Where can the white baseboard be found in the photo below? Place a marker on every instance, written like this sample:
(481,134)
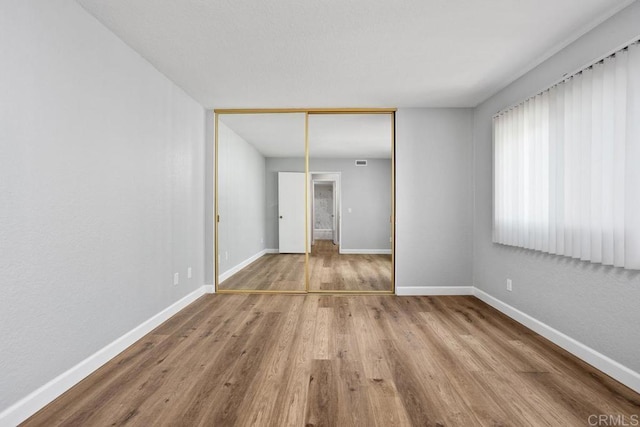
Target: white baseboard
(365,251)
(209,289)
(233,270)
(433,290)
(607,365)
(272,251)
(32,403)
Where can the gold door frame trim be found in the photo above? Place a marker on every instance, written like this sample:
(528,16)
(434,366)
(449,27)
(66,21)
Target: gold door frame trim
(307,112)
(393,202)
(306,202)
(216,212)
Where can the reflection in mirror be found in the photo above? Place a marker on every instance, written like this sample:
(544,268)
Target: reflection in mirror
(350,168)
(261,194)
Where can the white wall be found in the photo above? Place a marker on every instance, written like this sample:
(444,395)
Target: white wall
(241,198)
(366,190)
(101,191)
(433,199)
(593,304)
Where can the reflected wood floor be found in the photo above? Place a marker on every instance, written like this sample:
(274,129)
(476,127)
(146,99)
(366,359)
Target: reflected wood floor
(328,270)
(270,272)
(319,360)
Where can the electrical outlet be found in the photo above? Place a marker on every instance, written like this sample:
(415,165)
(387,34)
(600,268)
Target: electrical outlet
(226,256)
(176,278)
(509,285)
(189,273)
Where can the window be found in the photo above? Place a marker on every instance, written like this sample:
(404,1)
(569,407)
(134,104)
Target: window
(567,166)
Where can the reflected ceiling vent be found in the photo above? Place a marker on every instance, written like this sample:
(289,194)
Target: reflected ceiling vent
(361,163)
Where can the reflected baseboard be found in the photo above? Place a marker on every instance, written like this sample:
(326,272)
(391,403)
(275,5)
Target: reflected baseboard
(233,270)
(365,251)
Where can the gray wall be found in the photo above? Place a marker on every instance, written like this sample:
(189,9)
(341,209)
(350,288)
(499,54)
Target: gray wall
(593,304)
(209,198)
(434,203)
(101,191)
(366,190)
(241,198)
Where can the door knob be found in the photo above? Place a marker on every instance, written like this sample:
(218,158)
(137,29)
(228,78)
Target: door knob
(280,216)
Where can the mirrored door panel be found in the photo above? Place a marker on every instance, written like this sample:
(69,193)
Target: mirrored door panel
(350,183)
(261,202)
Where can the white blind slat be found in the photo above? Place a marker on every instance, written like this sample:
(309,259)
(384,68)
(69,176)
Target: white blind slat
(567,166)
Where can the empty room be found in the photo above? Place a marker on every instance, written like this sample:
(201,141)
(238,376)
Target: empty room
(294,213)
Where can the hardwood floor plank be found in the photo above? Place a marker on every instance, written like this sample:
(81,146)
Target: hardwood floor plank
(355,407)
(322,336)
(328,271)
(124,364)
(422,407)
(189,364)
(171,368)
(487,411)
(454,355)
(216,380)
(289,407)
(519,411)
(322,398)
(102,386)
(259,402)
(238,388)
(276,272)
(294,360)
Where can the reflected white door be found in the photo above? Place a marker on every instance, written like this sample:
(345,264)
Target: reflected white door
(291,205)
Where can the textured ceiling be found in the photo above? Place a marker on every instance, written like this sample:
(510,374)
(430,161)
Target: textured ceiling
(355,53)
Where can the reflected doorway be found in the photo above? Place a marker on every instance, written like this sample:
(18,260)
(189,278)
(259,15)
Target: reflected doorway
(325,208)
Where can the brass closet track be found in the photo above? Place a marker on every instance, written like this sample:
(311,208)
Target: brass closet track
(306,111)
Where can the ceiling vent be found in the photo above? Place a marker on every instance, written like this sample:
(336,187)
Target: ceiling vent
(361,163)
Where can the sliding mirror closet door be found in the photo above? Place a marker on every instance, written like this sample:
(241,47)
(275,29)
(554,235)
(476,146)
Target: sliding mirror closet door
(261,202)
(350,183)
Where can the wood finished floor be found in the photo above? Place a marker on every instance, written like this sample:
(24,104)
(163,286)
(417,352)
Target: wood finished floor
(270,272)
(331,271)
(328,270)
(318,360)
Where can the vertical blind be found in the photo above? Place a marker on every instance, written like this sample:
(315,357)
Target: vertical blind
(567,166)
